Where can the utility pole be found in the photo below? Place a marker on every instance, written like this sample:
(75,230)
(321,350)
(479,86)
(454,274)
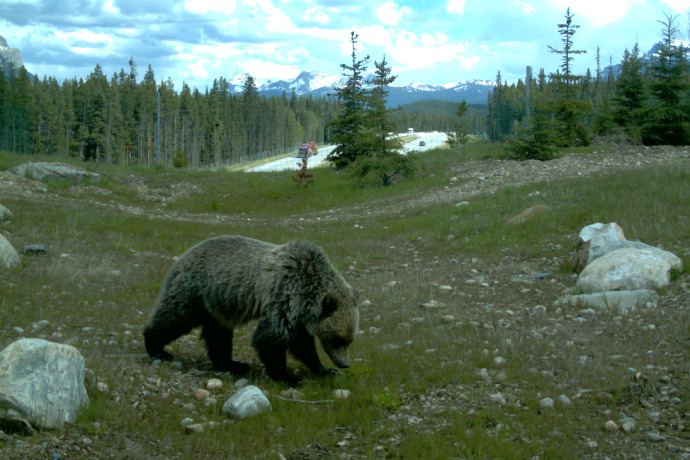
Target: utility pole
(158,127)
(528,83)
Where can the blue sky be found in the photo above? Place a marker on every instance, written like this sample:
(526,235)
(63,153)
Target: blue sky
(434,42)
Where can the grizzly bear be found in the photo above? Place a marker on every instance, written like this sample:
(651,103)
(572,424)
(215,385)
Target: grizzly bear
(292,289)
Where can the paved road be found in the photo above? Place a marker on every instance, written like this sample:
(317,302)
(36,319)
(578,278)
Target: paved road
(431,139)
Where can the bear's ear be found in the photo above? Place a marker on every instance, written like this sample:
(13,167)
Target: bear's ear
(329,304)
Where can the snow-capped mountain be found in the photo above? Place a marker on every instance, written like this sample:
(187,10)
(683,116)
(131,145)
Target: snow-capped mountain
(319,85)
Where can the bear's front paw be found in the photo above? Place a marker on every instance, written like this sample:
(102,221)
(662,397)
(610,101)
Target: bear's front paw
(162,356)
(330,371)
(234,367)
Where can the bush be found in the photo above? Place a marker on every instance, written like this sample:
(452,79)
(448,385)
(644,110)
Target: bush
(179,159)
(385,169)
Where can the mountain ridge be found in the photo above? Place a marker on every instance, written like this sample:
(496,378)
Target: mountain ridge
(318,84)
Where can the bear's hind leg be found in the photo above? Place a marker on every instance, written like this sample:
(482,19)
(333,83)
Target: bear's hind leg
(219,346)
(161,331)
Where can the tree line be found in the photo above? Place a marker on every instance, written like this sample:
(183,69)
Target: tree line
(646,102)
(122,120)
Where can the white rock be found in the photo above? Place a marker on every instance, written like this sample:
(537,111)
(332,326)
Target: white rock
(610,425)
(341,394)
(564,400)
(499,361)
(498,398)
(214,384)
(44,381)
(247,402)
(8,255)
(546,403)
(629,269)
(628,426)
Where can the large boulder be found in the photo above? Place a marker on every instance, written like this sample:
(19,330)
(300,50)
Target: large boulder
(629,269)
(42,382)
(8,255)
(45,172)
(5,214)
(621,300)
(598,239)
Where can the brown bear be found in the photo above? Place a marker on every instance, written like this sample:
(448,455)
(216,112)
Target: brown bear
(292,289)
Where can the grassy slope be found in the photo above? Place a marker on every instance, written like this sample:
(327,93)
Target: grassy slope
(415,384)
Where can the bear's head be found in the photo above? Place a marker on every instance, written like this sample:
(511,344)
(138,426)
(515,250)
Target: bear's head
(339,325)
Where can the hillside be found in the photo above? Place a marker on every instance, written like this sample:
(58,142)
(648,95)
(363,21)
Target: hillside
(461,340)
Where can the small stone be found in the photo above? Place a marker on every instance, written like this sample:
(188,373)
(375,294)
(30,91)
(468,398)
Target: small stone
(102,387)
(341,394)
(546,403)
(655,437)
(628,426)
(17,330)
(292,393)
(214,384)
(610,425)
(447,319)
(208,402)
(499,361)
(538,310)
(241,383)
(498,398)
(564,400)
(186,421)
(200,394)
(194,428)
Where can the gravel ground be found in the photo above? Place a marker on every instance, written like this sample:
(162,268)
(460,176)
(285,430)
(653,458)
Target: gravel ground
(650,419)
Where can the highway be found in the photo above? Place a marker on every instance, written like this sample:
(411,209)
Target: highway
(431,140)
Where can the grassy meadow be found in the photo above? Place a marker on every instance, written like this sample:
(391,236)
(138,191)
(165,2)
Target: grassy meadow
(452,361)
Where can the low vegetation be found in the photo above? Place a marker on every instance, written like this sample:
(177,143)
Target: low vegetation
(454,359)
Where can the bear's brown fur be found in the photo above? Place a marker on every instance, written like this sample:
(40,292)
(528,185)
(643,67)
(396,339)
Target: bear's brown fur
(292,289)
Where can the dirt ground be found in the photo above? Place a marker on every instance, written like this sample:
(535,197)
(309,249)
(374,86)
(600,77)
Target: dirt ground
(656,391)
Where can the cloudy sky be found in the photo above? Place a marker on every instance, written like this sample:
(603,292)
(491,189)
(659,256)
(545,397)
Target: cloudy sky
(430,41)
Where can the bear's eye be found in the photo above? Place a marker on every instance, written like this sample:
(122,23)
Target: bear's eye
(338,342)
(328,305)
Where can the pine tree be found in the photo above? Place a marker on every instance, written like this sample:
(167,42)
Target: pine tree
(630,95)
(569,109)
(378,114)
(348,129)
(668,119)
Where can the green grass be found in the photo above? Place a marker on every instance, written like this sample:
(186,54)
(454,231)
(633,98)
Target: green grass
(415,382)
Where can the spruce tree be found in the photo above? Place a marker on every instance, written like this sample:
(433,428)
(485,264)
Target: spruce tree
(569,108)
(630,95)
(667,121)
(348,128)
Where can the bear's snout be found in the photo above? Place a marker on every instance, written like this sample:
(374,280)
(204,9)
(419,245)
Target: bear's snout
(339,356)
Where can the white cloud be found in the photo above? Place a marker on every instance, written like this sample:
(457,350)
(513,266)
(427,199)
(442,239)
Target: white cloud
(274,18)
(210,6)
(316,14)
(456,6)
(410,51)
(527,8)
(597,12)
(86,42)
(109,7)
(389,14)
(680,6)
